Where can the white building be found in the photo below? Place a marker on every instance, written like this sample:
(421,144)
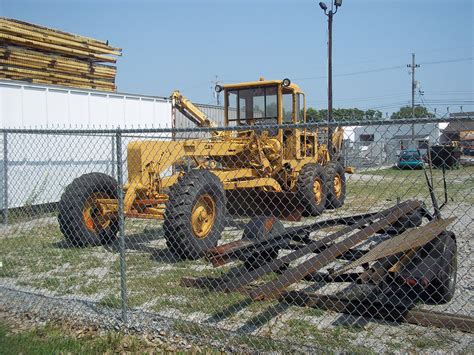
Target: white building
(379,145)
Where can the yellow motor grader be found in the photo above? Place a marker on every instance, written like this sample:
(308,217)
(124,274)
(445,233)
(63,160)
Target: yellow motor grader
(192,201)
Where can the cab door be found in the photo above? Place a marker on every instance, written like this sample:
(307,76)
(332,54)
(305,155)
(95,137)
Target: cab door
(291,136)
(308,137)
(299,143)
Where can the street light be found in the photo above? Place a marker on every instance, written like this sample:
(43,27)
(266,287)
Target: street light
(330,14)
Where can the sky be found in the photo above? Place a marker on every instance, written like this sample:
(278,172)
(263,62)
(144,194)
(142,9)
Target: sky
(184,44)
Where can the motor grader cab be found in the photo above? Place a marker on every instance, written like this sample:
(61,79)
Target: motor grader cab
(192,202)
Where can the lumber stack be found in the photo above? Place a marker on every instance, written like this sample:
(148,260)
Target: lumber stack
(43,55)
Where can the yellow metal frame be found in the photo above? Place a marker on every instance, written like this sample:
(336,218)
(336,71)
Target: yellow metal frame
(240,159)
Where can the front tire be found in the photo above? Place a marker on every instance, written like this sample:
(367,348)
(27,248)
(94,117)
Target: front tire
(312,189)
(80,218)
(195,214)
(336,185)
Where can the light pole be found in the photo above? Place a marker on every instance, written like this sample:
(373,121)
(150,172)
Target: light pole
(330,14)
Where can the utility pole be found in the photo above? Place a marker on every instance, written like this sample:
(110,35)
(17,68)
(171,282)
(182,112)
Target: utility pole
(330,14)
(330,118)
(413,67)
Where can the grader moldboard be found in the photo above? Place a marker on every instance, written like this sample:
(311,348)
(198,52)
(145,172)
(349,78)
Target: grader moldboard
(193,203)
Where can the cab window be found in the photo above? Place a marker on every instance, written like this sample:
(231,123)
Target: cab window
(253,106)
(300,108)
(287,103)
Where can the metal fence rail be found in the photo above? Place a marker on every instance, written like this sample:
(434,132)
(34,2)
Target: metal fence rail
(245,237)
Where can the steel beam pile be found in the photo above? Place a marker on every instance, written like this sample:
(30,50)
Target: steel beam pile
(38,54)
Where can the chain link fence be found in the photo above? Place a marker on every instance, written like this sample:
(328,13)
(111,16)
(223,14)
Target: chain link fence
(259,238)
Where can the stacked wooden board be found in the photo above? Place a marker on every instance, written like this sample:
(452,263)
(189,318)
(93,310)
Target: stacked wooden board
(38,54)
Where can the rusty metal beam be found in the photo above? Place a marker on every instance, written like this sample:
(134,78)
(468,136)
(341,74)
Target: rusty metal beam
(223,254)
(290,276)
(144,215)
(274,265)
(406,241)
(375,309)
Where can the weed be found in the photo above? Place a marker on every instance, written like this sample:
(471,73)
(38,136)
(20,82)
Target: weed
(111,301)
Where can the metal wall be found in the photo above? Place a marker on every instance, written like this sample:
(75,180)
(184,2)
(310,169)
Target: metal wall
(214,113)
(26,105)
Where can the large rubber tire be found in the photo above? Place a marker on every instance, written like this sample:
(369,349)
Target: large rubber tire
(441,289)
(261,229)
(305,193)
(75,200)
(335,199)
(184,197)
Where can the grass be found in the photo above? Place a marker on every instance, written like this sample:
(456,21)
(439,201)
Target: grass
(423,342)
(54,339)
(111,301)
(334,339)
(252,342)
(39,258)
(390,184)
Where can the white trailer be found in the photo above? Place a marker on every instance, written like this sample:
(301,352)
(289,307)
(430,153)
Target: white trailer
(24,105)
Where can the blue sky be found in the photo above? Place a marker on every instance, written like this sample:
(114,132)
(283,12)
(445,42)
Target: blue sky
(183,44)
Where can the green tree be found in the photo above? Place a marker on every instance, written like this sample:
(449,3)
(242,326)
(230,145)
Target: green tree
(313,115)
(373,114)
(406,112)
(342,114)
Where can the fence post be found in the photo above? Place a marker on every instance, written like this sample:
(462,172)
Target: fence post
(5,178)
(121,220)
(112,157)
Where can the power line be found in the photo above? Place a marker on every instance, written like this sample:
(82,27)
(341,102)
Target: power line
(449,61)
(420,94)
(454,92)
(380,59)
(352,73)
(361,99)
(385,69)
(450,100)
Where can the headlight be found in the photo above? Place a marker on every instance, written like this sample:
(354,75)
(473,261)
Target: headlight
(286,82)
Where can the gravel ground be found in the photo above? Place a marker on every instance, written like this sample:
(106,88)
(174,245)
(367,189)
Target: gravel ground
(175,336)
(43,276)
(37,309)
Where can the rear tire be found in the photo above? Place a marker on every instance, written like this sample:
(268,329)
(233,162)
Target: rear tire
(312,189)
(80,220)
(336,185)
(195,214)
(441,289)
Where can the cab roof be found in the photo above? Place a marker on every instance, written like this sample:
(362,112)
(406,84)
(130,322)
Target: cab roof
(292,86)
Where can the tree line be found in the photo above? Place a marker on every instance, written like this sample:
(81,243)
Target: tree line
(355,114)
